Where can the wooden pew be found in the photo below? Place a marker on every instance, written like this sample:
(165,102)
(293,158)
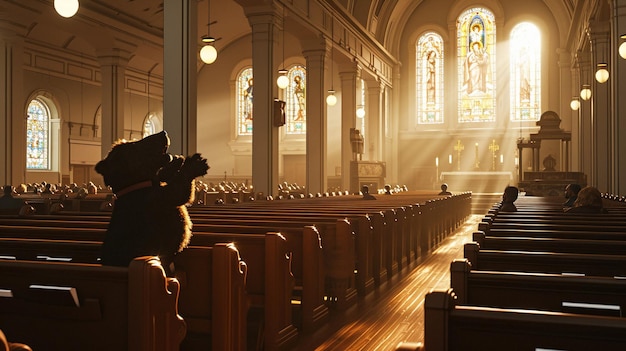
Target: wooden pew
(115,308)
(526,243)
(537,291)
(545,262)
(449,326)
(307,264)
(269,285)
(213,297)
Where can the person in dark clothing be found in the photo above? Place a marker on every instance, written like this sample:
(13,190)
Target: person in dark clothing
(589,200)
(508,198)
(571,194)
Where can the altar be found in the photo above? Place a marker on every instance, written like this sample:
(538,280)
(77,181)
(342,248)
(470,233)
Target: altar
(477,182)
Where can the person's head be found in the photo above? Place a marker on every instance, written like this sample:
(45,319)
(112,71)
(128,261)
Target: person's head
(365,189)
(8,190)
(589,196)
(510,194)
(444,187)
(571,190)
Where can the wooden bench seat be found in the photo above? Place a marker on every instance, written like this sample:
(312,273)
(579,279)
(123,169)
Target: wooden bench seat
(540,291)
(99,308)
(449,326)
(518,242)
(545,262)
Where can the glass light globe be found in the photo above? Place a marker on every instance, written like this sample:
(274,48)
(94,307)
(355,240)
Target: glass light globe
(360,112)
(331,99)
(622,50)
(585,93)
(602,74)
(574,104)
(282,81)
(66,8)
(208,54)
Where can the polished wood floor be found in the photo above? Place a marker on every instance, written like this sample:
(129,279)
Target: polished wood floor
(394,313)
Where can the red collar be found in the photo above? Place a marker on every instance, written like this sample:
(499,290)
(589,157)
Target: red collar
(137,186)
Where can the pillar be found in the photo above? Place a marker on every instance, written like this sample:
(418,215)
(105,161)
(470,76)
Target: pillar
(315,54)
(180,47)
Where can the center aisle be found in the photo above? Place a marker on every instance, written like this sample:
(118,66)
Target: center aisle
(395,314)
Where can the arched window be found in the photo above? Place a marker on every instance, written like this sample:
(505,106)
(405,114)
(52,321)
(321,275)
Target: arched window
(429,65)
(476,33)
(38,136)
(295,98)
(152,125)
(525,44)
(244,90)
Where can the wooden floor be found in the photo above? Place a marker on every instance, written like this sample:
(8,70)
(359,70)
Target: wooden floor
(394,313)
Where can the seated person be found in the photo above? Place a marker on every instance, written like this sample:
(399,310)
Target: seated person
(444,190)
(508,198)
(589,200)
(571,193)
(388,190)
(8,202)
(365,190)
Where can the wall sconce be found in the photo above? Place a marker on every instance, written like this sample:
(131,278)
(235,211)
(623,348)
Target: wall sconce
(622,47)
(360,111)
(602,74)
(585,93)
(575,103)
(66,8)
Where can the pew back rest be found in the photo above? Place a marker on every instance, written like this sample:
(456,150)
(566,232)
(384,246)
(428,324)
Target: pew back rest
(115,308)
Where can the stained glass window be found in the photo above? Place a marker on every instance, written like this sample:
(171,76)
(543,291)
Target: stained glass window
(295,97)
(476,33)
(244,88)
(38,136)
(525,44)
(429,90)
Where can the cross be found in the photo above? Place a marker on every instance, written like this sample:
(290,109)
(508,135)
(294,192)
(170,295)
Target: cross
(494,148)
(458,148)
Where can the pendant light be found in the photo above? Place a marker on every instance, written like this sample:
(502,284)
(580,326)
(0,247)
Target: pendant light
(66,8)
(282,81)
(575,103)
(622,47)
(331,99)
(208,53)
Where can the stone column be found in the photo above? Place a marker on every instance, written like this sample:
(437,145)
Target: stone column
(113,66)
(315,54)
(348,75)
(180,47)
(374,117)
(599,36)
(585,127)
(13,115)
(617,122)
(264,21)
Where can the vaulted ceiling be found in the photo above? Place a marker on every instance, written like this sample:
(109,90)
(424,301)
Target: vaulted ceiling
(136,26)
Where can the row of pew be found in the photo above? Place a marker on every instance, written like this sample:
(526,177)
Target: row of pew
(257,275)
(535,279)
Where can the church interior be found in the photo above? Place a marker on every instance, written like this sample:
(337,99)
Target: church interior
(316,101)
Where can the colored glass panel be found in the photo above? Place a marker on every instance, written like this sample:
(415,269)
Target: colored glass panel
(476,33)
(429,90)
(525,51)
(38,136)
(245,86)
(295,98)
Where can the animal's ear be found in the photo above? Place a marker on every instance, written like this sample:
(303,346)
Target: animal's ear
(101,167)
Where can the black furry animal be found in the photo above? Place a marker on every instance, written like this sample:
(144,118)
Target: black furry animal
(152,188)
